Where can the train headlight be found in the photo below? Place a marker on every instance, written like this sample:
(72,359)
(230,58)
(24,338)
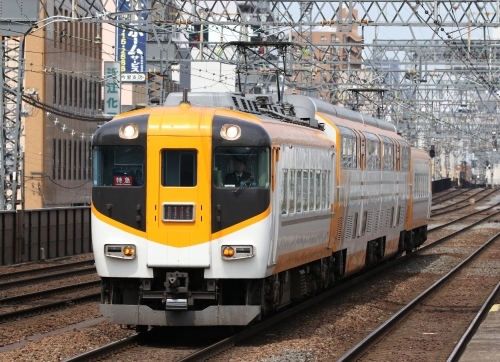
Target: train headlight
(233,252)
(120,251)
(129,131)
(230,132)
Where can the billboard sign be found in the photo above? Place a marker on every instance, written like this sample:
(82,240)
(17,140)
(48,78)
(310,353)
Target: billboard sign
(112,88)
(131,38)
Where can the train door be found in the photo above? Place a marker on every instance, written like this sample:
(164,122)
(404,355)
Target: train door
(276,189)
(181,229)
(362,182)
(335,242)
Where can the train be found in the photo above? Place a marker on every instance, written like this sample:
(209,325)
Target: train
(179,240)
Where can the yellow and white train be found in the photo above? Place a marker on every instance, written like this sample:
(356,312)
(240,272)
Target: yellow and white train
(179,241)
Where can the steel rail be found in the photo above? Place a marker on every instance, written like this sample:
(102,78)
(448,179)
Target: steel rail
(22,298)
(48,277)
(45,269)
(28,312)
(106,350)
(455,207)
(464,217)
(449,196)
(474,325)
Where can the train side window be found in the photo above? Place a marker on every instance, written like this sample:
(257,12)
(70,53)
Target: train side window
(118,165)
(388,154)
(291,193)
(373,151)
(312,193)
(348,148)
(178,168)
(298,190)
(325,180)
(405,156)
(284,193)
(318,189)
(305,190)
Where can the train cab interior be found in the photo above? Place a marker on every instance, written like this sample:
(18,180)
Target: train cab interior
(256,161)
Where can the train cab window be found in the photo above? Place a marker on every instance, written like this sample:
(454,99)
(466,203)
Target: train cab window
(118,165)
(348,148)
(178,168)
(241,166)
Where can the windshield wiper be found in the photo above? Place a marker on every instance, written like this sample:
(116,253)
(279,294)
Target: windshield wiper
(242,184)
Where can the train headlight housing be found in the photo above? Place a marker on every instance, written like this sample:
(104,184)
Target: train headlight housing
(129,131)
(120,251)
(233,252)
(230,132)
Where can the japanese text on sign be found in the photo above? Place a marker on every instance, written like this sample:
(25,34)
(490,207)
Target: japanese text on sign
(131,39)
(112,88)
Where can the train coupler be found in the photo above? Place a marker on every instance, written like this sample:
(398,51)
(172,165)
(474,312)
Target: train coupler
(176,294)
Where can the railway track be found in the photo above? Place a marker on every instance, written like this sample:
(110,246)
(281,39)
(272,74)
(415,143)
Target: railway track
(448,196)
(17,306)
(463,202)
(181,352)
(140,347)
(205,353)
(45,274)
(442,309)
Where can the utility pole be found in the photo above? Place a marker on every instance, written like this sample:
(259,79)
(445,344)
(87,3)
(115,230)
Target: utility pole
(16,20)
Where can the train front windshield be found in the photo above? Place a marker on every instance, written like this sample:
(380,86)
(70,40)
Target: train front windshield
(241,166)
(118,165)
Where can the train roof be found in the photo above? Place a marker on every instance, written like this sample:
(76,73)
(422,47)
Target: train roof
(295,108)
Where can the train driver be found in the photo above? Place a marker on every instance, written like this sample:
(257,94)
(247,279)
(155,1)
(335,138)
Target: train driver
(239,175)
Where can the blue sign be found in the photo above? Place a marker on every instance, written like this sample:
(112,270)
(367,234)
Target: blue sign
(131,37)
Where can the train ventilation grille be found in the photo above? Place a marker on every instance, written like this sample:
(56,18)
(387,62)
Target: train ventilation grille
(388,218)
(402,215)
(369,222)
(348,227)
(339,229)
(378,221)
(235,101)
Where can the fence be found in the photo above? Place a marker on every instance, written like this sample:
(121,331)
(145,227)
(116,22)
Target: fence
(33,235)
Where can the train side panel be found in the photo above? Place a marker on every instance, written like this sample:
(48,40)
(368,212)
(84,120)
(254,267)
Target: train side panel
(421,190)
